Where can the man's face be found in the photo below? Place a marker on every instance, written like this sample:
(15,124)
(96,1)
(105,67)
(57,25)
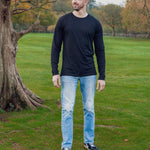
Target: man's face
(78,4)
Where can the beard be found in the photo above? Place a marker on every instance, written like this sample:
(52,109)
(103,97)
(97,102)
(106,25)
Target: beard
(76,7)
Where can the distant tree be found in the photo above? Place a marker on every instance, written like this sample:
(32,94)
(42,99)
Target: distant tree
(21,21)
(62,6)
(91,4)
(47,18)
(13,93)
(111,16)
(136,16)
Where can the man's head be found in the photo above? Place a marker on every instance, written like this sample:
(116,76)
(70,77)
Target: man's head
(79,4)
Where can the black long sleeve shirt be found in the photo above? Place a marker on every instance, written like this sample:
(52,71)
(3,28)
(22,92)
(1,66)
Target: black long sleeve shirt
(77,35)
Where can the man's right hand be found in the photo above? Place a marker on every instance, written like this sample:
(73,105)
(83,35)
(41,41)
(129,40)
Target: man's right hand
(56,80)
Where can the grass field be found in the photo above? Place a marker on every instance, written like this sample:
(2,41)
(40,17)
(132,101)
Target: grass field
(122,109)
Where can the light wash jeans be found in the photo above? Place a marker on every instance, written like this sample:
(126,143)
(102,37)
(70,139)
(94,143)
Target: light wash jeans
(68,93)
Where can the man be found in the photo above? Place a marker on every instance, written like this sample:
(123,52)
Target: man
(78,30)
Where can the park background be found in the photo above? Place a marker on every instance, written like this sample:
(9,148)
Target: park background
(122,109)
(130,18)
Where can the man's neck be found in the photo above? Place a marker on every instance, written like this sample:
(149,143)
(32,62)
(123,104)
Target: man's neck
(81,13)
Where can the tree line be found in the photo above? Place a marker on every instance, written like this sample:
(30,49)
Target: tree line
(133,18)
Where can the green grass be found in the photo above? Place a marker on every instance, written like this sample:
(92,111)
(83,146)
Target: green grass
(122,109)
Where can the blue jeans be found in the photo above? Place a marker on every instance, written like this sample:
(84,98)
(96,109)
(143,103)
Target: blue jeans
(68,93)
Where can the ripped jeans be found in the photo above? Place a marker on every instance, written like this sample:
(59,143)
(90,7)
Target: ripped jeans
(68,93)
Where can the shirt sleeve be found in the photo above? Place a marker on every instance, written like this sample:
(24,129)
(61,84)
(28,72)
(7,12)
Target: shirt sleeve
(100,51)
(56,47)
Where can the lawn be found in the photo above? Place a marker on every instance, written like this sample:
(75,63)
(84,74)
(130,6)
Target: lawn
(122,109)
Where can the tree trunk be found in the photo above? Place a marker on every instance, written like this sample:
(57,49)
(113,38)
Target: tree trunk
(13,93)
(148,36)
(113,31)
(45,29)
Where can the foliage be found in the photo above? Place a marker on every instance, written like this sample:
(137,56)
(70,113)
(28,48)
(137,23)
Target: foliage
(136,16)
(133,18)
(110,15)
(21,21)
(51,28)
(62,7)
(47,18)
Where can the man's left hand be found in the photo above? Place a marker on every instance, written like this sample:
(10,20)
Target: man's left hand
(100,85)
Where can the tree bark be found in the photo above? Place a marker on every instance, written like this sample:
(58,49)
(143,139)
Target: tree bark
(13,93)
